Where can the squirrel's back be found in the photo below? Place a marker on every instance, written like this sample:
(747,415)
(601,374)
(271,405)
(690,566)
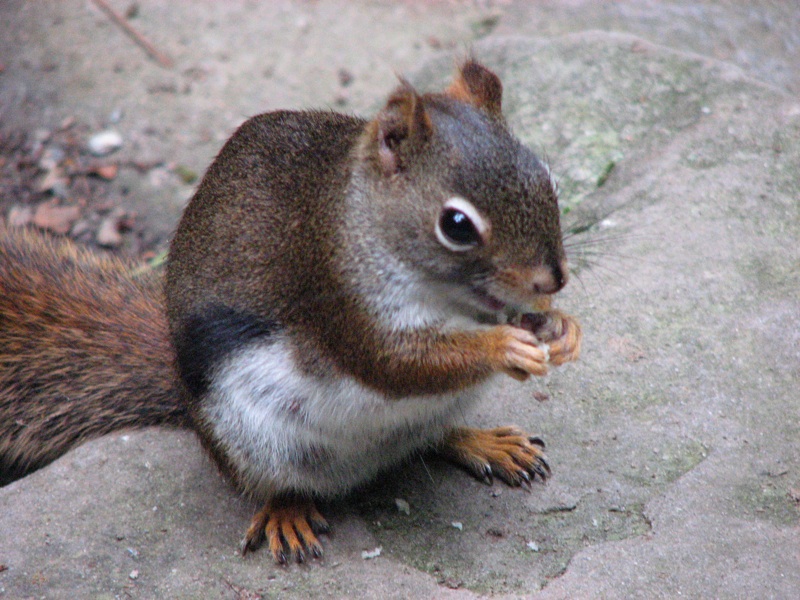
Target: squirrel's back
(84,350)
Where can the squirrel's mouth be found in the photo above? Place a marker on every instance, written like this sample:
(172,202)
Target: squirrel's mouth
(488,301)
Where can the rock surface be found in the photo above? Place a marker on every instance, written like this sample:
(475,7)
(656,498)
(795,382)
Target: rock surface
(675,441)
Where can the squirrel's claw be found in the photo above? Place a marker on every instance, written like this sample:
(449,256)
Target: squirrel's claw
(289,525)
(506,452)
(488,476)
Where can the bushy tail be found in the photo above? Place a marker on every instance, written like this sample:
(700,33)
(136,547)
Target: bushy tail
(84,350)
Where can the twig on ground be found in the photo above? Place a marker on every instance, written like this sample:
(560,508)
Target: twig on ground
(160,57)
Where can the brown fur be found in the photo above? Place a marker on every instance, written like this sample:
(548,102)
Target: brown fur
(283,178)
(83,351)
(288,235)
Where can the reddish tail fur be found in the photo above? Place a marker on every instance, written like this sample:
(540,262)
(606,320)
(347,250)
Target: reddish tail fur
(84,350)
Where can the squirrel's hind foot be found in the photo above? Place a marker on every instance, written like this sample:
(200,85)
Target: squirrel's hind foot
(290,525)
(505,452)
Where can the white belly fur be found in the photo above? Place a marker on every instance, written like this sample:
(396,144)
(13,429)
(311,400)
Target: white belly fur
(289,432)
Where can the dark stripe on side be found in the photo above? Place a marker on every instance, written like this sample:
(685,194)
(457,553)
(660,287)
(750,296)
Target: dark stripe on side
(209,337)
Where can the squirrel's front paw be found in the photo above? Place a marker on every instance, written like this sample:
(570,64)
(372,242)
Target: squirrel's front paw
(520,354)
(289,525)
(505,452)
(560,331)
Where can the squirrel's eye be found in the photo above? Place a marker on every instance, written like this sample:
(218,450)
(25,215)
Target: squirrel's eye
(460,227)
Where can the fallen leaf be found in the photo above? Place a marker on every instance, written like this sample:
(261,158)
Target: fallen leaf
(58,219)
(107,171)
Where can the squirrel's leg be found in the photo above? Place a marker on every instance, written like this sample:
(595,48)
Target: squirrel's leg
(506,452)
(289,525)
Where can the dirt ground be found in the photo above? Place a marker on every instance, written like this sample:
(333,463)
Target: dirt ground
(673,127)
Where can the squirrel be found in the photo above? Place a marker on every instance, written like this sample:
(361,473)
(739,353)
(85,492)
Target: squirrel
(337,293)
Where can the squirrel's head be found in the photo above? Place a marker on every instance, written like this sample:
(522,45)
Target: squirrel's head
(459,199)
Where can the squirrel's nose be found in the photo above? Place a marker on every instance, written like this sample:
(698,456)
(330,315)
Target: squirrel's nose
(549,278)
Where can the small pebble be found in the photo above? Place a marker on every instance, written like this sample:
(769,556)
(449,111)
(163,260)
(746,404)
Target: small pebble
(105,142)
(341,98)
(133,11)
(345,77)
(20,216)
(51,158)
(108,235)
(368,554)
(533,546)
(402,506)
(541,396)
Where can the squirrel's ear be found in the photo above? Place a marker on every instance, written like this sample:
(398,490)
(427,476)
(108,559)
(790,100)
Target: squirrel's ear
(399,127)
(478,86)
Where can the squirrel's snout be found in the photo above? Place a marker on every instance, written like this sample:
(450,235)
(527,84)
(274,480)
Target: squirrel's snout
(548,279)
